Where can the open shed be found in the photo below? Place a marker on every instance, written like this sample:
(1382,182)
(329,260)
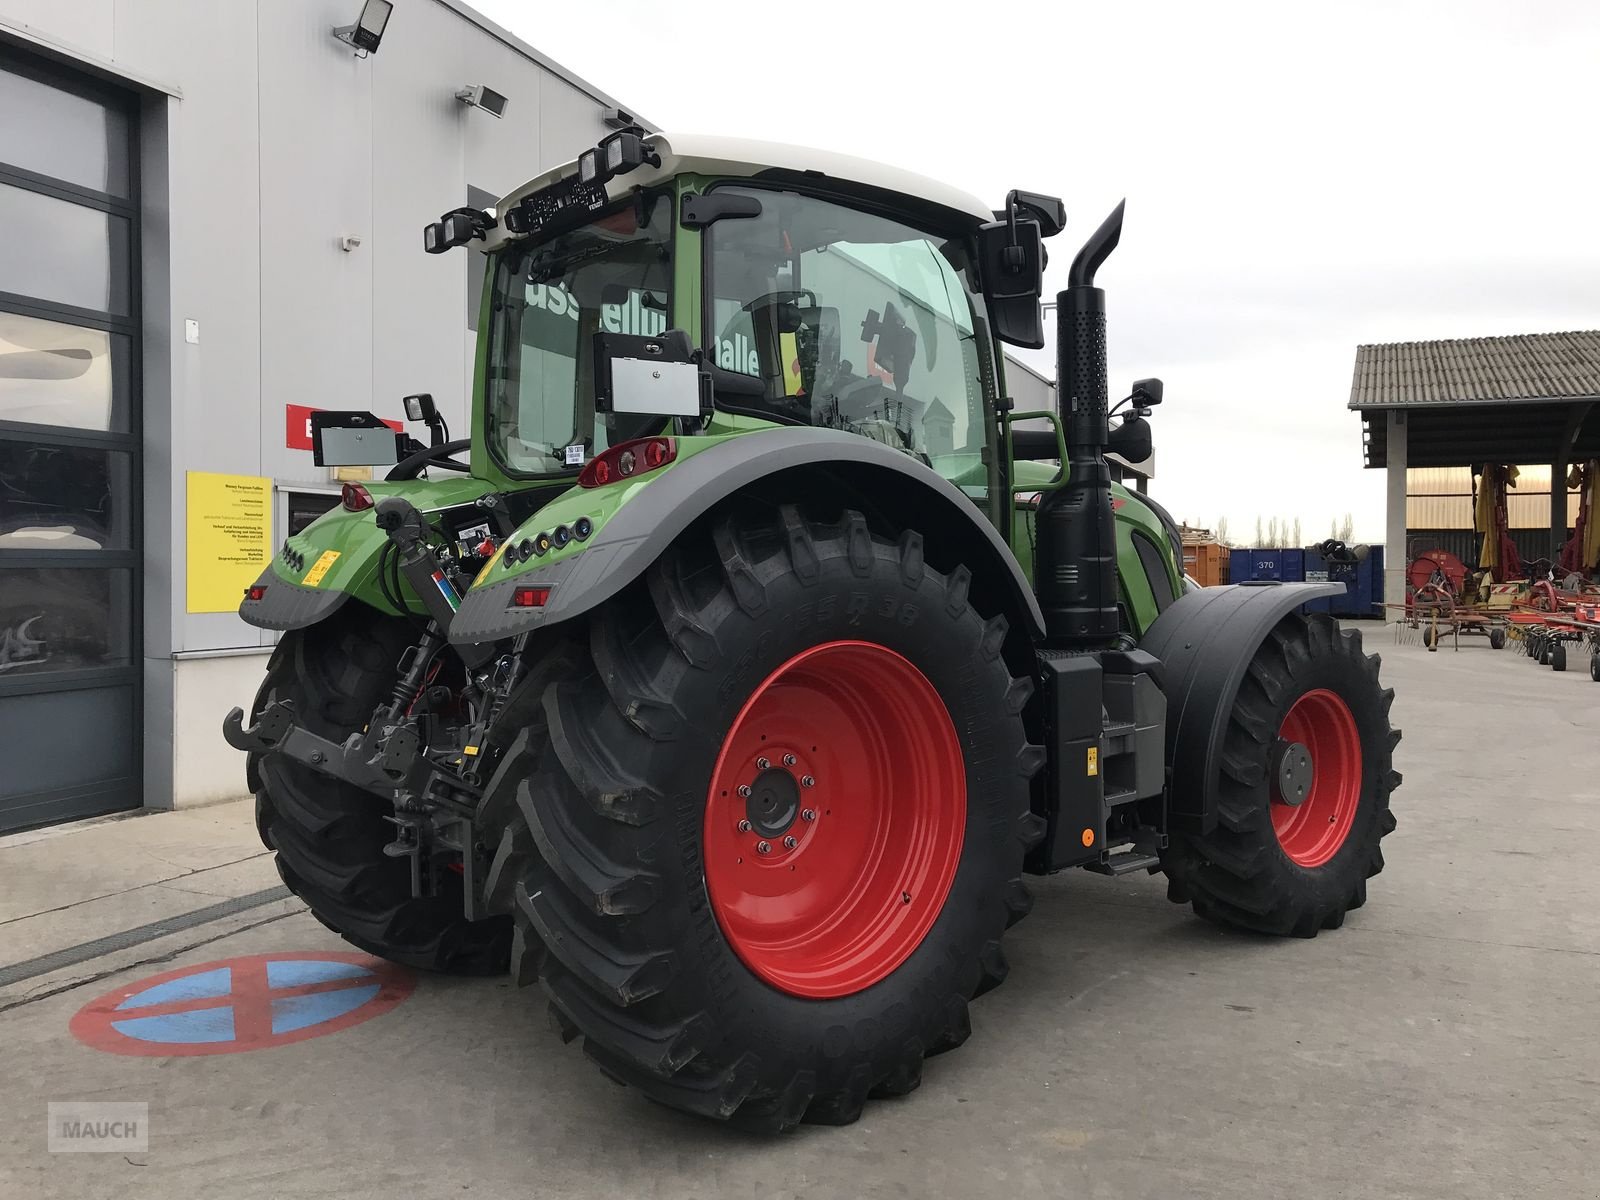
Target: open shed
(1463,402)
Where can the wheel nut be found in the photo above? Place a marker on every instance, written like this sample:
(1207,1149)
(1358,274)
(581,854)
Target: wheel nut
(808,814)
(744,789)
(762,763)
(744,826)
(788,760)
(807,781)
(763,847)
(789,843)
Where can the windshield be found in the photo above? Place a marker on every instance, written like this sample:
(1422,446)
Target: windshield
(853,321)
(550,299)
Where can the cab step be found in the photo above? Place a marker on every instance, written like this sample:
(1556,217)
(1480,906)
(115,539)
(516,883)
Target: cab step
(1126,863)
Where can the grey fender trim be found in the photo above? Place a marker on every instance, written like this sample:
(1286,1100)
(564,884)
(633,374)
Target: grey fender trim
(288,605)
(644,527)
(1205,642)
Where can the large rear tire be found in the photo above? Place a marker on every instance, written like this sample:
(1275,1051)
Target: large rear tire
(1304,782)
(729,954)
(329,836)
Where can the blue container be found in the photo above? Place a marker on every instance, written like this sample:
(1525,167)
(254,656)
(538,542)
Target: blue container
(1363,582)
(1286,566)
(1363,585)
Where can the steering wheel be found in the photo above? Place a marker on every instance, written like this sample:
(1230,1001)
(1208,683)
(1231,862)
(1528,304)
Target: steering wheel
(787,296)
(430,456)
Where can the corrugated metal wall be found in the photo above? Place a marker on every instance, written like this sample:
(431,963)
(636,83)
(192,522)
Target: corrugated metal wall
(1441,498)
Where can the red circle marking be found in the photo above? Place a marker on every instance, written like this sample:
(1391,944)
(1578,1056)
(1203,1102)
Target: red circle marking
(1312,831)
(250,997)
(829,903)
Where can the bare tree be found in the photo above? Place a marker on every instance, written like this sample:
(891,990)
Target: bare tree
(1347,528)
(1295,540)
(1260,537)
(1222,530)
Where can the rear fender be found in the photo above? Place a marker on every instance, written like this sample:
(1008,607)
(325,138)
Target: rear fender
(1205,642)
(336,557)
(783,462)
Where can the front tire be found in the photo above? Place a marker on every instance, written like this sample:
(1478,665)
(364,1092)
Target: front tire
(1304,781)
(1558,656)
(791,983)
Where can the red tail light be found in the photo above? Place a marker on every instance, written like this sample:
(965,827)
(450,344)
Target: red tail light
(627,459)
(255,591)
(530,597)
(355,497)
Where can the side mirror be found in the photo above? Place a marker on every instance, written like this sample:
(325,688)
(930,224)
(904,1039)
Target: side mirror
(649,376)
(1049,211)
(1011,260)
(1131,440)
(1146,393)
(420,407)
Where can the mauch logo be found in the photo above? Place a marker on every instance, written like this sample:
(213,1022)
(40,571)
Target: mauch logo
(89,1126)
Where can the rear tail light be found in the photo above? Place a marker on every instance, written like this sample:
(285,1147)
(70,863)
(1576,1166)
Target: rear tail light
(627,459)
(255,591)
(530,597)
(355,497)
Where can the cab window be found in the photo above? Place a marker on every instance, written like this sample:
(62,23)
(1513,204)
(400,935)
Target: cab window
(852,321)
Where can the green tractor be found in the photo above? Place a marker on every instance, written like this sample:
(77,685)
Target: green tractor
(722,684)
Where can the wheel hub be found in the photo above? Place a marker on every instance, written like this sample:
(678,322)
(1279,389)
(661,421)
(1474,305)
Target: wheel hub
(834,820)
(1316,777)
(773,805)
(1294,774)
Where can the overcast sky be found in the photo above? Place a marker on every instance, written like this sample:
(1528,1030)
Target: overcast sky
(1300,179)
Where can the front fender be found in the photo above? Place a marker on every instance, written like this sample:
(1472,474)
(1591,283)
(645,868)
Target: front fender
(1205,641)
(639,531)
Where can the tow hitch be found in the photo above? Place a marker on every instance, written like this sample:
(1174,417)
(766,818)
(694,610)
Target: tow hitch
(426,767)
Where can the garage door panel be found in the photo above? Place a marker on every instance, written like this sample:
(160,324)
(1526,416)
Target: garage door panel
(70,562)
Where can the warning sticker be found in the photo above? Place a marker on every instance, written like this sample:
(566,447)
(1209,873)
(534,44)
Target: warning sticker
(320,568)
(1092,767)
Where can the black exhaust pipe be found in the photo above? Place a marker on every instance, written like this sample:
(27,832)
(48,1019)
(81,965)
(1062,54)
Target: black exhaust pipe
(1076,554)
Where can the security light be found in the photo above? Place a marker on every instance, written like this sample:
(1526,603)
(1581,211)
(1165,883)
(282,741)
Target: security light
(618,118)
(481,95)
(367,32)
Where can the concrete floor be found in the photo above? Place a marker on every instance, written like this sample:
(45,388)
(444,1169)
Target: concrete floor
(1442,1044)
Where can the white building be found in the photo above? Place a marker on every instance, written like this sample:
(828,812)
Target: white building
(213,212)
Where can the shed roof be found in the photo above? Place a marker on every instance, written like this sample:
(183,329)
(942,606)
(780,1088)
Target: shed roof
(1525,398)
(1524,368)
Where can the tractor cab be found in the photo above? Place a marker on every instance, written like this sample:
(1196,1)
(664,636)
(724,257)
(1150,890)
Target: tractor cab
(824,292)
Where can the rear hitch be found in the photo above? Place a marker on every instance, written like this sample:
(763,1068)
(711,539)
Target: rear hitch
(383,759)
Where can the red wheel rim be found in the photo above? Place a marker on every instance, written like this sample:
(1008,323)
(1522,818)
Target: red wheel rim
(1312,831)
(862,808)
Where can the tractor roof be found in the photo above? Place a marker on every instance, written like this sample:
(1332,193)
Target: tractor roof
(708,155)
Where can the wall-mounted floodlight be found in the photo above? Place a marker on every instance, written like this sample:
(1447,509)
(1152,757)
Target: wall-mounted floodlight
(618,118)
(481,95)
(367,32)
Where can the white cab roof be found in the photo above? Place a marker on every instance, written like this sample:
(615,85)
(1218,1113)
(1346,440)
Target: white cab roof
(708,155)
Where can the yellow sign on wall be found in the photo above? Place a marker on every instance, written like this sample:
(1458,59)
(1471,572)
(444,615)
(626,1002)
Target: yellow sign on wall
(230,538)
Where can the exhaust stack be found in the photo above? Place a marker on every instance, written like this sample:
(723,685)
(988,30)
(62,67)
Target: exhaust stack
(1076,571)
